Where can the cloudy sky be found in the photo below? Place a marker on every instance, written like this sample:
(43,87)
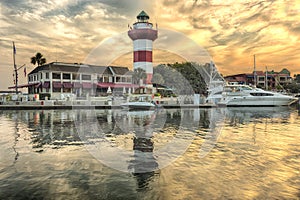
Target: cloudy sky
(231,32)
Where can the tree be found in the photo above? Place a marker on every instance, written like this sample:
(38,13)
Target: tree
(139,74)
(38,59)
(185,78)
(158,78)
(293,87)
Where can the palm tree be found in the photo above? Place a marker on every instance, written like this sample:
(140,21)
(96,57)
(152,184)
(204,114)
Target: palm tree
(139,74)
(38,59)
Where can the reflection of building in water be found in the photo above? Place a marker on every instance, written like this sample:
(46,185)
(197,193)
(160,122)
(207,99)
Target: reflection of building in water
(49,127)
(246,115)
(255,117)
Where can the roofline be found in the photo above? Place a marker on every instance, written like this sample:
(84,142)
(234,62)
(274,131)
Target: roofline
(111,68)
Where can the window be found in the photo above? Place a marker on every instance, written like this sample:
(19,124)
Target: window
(66,76)
(86,77)
(128,80)
(282,79)
(100,79)
(105,79)
(56,75)
(261,94)
(76,76)
(41,76)
(47,75)
(261,78)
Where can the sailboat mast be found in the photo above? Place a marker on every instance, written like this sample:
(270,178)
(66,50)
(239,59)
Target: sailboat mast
(254,72)
(15,67)
(266,83)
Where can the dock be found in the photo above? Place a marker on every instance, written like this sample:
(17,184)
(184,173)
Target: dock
(96,107)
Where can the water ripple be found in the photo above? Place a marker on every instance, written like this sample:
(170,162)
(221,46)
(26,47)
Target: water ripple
(249,154)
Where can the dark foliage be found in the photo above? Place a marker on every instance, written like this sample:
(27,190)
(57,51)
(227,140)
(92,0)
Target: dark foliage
(184,78)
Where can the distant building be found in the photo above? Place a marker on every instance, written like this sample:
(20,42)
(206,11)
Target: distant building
(57,80)
(297,78)
(267,79)
(240,78)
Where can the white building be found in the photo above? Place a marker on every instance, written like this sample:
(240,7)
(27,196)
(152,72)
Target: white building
(61,80)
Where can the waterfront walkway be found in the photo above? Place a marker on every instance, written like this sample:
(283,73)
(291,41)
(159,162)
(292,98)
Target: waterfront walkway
(69,107)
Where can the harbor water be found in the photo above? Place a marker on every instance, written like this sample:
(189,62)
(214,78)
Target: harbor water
(217,153)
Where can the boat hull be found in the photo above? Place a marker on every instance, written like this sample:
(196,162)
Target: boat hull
(257,101)
(138,106)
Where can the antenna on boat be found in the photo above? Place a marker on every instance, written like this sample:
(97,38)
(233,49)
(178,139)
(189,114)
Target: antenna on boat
(254,71)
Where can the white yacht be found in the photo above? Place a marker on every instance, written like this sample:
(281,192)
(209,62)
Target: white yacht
(244,95)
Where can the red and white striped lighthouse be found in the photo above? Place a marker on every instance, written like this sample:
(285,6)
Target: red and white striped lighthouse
(143,35)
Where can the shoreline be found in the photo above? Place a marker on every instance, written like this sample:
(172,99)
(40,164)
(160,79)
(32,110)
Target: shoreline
(103,107)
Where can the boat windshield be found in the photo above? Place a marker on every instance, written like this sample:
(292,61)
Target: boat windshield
(237,88)
(261,94)
(140,99)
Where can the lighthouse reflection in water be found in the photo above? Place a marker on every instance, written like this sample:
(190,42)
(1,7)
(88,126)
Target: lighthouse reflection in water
(138,141)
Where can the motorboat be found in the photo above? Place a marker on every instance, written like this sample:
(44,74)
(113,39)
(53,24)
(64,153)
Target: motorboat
(244,95)
(138,105)
(140,102)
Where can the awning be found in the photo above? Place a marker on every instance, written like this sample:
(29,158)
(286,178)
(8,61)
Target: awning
(57,85)
(116,85)
(122,85)
(87,85)
(76,85)
(23,85)
(46,84)
(38,85)
(67,85)
(104,85)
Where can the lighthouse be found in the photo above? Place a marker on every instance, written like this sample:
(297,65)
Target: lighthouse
(142,34)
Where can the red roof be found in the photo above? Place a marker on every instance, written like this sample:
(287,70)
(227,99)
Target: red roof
(240,79)
(260,73)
